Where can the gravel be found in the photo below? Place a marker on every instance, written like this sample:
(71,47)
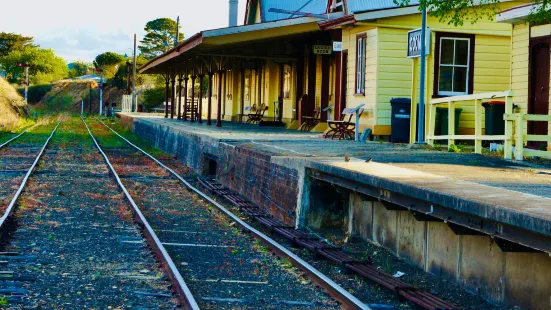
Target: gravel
(71,245)
(224,268)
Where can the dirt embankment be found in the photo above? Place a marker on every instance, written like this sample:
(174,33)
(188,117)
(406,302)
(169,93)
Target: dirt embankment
(66,96)
(13,108)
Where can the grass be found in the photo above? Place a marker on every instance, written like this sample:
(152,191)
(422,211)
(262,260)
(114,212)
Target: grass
(113,140)
(13,110)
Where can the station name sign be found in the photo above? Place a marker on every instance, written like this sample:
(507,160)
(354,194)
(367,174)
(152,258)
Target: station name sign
(322,49)
(414,43)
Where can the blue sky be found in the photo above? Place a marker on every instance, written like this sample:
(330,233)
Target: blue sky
(80,30)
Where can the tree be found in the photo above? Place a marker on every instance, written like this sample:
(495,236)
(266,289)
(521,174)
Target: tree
(11,41)
(79,68)
(109,62)
(159,38)
(457,12)
(45,66)
(120,79)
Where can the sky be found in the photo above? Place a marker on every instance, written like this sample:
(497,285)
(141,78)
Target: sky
(80,30)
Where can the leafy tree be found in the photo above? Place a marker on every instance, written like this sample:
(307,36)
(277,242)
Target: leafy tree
(79,68)
(159,38)
(11,41)
(457,12)
(120,78)
(109,62)
(45,66)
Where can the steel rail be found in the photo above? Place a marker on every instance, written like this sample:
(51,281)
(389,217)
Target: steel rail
(335,290)
(183,292)
(11,206)
(19,135)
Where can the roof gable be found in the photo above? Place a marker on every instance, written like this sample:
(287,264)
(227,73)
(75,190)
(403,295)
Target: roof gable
(304,6)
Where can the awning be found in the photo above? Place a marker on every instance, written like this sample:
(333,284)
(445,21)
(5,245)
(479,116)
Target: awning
(241,41)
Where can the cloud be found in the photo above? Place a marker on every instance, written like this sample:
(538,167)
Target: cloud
(77,35)
(86,44)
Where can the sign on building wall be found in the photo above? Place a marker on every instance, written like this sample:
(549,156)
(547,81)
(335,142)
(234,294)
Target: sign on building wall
(414,43)
(322,49)
(337,46)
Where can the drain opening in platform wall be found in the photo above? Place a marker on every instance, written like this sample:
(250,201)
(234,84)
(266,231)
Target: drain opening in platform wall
(210,164)
(329,205)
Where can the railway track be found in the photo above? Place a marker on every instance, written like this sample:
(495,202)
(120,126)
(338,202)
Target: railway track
(223,267)
(365,269)
(66,228)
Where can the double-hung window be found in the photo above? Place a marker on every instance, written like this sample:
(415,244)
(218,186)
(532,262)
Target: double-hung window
(454,66)
(360,64)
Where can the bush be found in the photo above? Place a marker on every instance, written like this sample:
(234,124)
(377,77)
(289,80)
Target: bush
(153,97)
(36,92)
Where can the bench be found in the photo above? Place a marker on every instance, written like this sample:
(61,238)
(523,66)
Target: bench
(345,128)
(257,117)
(309,122)
(249,110)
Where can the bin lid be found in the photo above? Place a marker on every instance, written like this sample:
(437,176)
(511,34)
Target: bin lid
(496,102)
(400,101)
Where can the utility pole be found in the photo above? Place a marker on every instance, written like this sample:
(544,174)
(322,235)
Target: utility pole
(177,31)
(421,116)
(90,100)
(26,82)
(134,103)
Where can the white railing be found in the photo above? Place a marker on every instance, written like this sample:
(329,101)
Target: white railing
(478,137)
(521,139)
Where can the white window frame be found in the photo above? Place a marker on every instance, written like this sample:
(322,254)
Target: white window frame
(361,47)
(468,66)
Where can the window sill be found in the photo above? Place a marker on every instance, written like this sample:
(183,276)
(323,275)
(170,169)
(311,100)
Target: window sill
(359,95)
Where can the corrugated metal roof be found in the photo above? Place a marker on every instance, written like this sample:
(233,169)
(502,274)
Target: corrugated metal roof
(305,6)
(357,6)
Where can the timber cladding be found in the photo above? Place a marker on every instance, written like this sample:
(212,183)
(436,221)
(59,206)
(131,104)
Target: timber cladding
(251,173)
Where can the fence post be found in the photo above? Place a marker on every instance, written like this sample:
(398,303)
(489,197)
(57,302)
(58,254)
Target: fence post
(508,143)
(432,120)
(477,126)
(451,123)
(519,133)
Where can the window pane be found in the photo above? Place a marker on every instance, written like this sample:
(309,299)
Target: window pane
(446,56)
(445,79)
(460,80)
(462,52)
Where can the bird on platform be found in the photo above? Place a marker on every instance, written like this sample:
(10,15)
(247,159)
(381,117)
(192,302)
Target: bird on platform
(346,158)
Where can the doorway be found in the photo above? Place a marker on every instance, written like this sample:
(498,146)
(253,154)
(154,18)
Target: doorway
(344,83)
(539,90)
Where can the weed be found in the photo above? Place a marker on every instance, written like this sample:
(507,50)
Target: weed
(3,301)
(50,237)
(235,252)
(456,148)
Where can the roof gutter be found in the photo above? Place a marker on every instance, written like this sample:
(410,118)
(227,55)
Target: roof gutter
(515,14)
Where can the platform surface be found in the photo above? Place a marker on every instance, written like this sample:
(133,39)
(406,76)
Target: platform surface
(511,187)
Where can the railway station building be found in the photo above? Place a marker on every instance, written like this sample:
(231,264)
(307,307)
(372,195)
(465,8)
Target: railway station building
(297,59)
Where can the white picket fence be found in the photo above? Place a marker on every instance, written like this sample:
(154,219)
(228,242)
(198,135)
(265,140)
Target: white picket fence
(127,103)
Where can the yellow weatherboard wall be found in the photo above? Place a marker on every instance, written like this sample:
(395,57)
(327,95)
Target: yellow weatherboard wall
(389,72)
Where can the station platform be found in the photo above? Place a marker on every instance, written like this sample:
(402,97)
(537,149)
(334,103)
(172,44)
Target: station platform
(445,212)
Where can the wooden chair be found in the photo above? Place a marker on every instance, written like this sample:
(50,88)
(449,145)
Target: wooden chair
(192,106)
(257,117)
(248,110)
(344,128)
(309,122)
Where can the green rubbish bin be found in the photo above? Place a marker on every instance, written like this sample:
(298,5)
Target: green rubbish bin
(495,125)
(441,124)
